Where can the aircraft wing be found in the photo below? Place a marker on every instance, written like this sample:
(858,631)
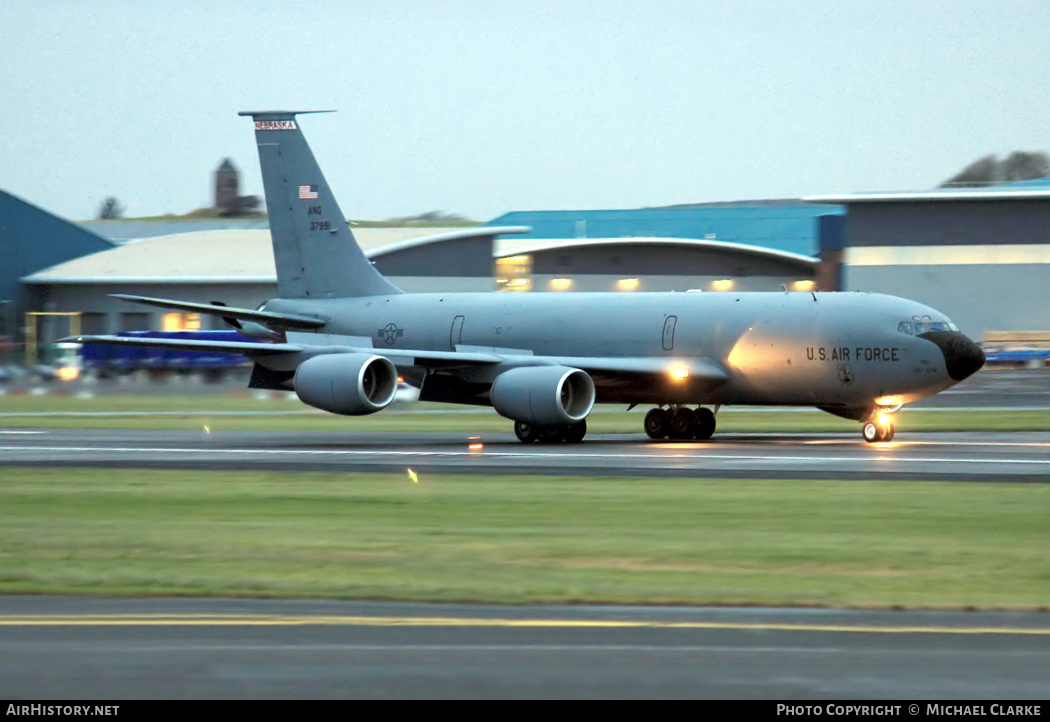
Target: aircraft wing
(602,366)
(251,349)
(282,320)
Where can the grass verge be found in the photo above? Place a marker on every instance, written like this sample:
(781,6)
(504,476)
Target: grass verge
(524,539)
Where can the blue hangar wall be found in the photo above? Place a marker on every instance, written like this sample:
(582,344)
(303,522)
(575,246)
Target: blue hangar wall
(31,239)
(779,225)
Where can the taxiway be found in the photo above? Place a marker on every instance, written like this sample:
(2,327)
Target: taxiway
(76,648)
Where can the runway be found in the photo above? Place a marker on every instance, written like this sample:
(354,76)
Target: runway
(1016,457)
(77,648)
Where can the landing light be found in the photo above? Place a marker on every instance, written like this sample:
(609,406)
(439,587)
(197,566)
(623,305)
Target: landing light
(725,284)
(890,400)
(679,374)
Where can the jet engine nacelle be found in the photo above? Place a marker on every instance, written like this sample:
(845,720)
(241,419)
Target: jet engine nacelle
(543,395)
(352,384)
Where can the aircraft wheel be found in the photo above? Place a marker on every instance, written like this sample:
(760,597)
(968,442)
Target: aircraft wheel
(683,424)
(873,431)
(657,424)
(554,434)
(705,423)
(575,433)
(888,434)
(527,433)
(870,432)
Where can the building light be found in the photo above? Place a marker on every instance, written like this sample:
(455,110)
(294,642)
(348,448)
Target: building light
(560,284)
(725,284)
(67,373)
(180,322)
(627,284)
(513,273)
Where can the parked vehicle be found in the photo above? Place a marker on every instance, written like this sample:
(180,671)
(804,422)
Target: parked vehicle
(115,360)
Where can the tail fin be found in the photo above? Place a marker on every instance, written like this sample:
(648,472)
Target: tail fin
(314,251)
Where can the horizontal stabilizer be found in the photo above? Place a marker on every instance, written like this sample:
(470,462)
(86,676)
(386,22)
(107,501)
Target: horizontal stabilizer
(279,320)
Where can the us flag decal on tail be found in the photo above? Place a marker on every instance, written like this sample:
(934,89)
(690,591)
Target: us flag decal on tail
(307,193)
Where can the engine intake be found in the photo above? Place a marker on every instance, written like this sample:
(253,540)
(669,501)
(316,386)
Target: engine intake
(352,384)
(543,395)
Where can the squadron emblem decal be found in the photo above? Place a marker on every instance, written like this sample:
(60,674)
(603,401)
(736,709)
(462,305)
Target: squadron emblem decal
(390,333)
(846,376)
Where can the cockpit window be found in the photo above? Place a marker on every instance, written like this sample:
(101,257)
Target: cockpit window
(942,326)
(919,326)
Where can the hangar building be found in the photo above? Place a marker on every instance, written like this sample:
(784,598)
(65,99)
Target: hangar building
(981,256)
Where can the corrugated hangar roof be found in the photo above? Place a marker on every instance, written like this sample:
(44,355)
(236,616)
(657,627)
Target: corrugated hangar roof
(237,256)
(993,193)
(122,230)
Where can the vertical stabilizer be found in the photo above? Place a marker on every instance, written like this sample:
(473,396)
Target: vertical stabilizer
(314,251)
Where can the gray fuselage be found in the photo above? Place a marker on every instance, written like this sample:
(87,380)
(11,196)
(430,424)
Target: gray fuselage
(838,349)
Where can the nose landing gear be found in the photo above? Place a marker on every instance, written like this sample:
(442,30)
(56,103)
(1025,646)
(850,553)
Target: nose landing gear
(680,423)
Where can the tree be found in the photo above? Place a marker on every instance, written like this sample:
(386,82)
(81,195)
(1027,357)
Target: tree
(990,171)
(111,208)
(1026,166)
(432,217)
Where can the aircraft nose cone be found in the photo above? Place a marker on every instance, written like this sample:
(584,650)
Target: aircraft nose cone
(962,357)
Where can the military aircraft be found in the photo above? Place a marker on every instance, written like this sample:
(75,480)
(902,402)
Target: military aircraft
(340,335)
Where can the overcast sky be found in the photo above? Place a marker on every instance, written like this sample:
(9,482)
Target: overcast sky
(488,106)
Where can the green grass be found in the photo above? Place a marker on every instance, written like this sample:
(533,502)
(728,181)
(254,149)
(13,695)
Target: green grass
(525,539)
(199,409)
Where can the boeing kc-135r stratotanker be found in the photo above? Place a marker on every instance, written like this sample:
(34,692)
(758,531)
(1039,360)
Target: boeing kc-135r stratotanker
(342,335)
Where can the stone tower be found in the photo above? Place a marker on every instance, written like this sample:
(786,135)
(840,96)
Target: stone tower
(227,188)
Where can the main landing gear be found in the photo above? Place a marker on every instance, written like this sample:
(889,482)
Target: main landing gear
(570,434)
(680,423)
(879,428)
